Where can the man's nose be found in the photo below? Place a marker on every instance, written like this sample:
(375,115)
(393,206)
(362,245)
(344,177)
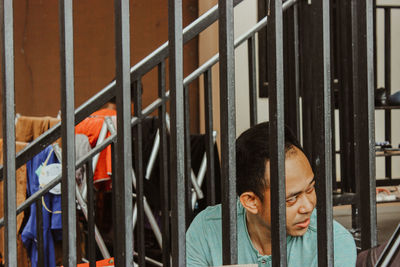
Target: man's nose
(307,204)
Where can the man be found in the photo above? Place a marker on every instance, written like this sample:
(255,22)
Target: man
(204,237)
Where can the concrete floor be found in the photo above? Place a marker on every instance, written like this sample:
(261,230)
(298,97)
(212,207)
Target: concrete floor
(388,217)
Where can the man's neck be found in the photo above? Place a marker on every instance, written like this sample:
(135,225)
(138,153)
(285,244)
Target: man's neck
(260,235)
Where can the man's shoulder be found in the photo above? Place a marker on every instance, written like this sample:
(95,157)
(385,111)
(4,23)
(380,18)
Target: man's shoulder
(338,229)
(209,214)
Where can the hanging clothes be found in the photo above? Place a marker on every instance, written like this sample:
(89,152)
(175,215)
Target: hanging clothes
(29,128)
(21,196)
(51,203)
(91,127)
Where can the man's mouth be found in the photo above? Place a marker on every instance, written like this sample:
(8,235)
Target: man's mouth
(303,224)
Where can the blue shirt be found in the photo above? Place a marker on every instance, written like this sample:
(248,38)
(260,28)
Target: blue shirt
(204,243)
(52,223)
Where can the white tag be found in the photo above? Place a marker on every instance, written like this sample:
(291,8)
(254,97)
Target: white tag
(49,173)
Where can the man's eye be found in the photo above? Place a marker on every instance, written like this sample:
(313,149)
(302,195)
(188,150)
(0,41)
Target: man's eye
(310,190)
(291,200)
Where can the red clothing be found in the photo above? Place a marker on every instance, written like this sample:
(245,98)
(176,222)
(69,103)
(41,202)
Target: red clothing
(101,263)
(91,127)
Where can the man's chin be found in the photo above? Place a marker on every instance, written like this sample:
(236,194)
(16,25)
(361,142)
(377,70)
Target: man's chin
(297,232)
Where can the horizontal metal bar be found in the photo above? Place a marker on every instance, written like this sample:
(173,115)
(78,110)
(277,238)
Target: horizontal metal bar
(189,33)
(388,7)
(57,180)
(108,92)
(344,199)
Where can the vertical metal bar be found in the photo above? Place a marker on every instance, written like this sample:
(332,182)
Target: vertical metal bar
(262,9)
(277,134)
(166,239)
(228,131)
(67,133)
(291,105)
(388,86)
(114,198)
(177,133)
(208,110)
(364,124)
(8,111)
(251,48)
(123,178)
(375,44)
(296,58)
(39,232)
(322,149)
(188,161)
(91,214)
(333,143)
(138,150)
(306,35)
(351,181)
(345,74)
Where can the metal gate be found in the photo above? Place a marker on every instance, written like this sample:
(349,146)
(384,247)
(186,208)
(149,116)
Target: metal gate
(311,43)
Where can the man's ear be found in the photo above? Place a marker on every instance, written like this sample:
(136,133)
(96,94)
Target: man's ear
(250,202)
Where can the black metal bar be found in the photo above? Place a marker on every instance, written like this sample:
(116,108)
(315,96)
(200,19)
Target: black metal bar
(164,184)
(375,45)
(364,125)
(177,147)
(8,115)
(333,83)
(208,115)
(322,146)
(344,199)
(296,60)
(188,160)
(388,86)
(276,133)
(138,150)
(67,133)
(228,131)
(262,11)
(91,214)
(345,89)
(39,232)
(114,197)
(291,105)
(123,178)
(306,82)
(108,92)
(251,49)
(388,6)
(393,181)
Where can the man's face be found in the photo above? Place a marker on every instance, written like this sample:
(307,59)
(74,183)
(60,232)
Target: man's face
(300,193)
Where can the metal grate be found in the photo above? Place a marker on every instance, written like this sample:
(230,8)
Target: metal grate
(311,74)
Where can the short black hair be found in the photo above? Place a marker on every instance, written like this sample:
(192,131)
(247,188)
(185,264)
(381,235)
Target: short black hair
(252,153)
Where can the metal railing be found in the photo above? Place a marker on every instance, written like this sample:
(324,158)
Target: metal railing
(174,226)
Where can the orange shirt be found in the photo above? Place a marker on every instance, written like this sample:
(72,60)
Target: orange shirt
(91,127)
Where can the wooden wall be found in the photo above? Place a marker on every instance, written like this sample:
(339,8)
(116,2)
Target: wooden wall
(36,40)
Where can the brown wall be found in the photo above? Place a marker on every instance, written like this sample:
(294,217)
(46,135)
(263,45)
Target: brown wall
(36,40)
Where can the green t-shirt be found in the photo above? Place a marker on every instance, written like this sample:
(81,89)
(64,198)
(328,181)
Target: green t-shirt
(204,243)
